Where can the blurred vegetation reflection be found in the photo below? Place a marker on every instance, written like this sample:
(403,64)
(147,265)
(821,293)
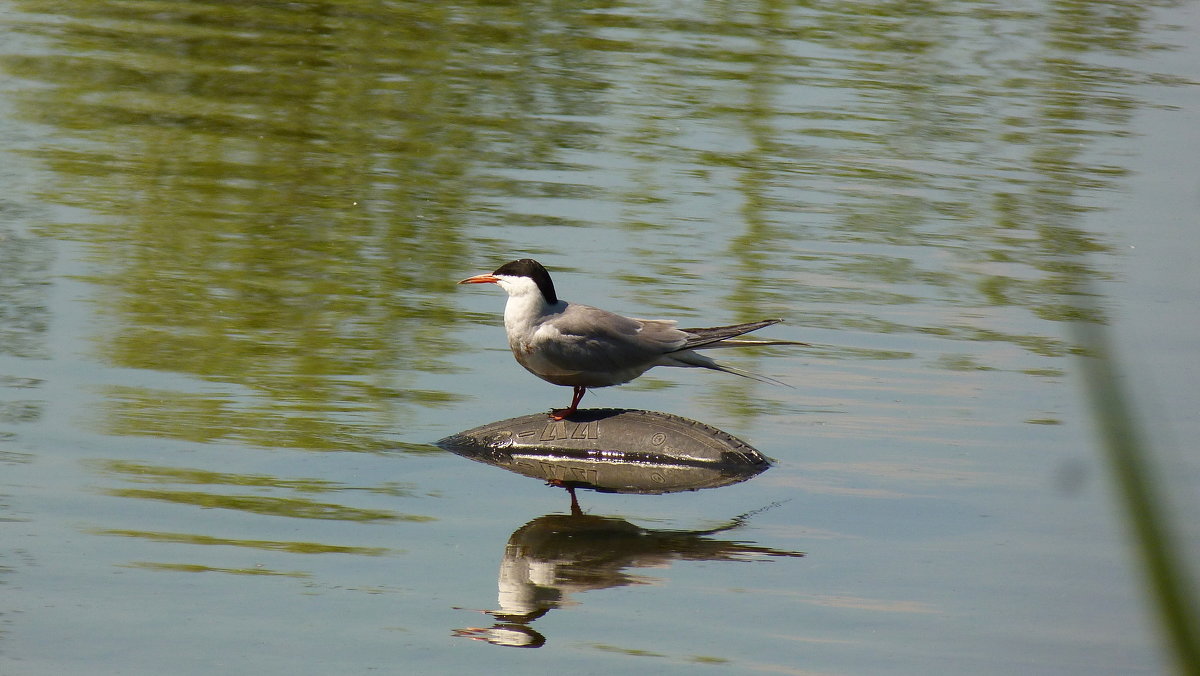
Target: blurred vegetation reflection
(291,188)
(287,185)
(249,493)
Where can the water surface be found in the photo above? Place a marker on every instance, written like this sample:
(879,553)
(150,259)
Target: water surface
(230,330)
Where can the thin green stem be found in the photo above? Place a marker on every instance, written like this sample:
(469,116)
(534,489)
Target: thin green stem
(1167,581)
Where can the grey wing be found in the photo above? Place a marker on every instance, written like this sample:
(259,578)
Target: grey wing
(584,338)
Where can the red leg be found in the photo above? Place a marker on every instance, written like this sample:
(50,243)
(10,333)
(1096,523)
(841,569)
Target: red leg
(560,413)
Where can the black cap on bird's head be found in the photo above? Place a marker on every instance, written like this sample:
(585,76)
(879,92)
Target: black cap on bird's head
(527,267)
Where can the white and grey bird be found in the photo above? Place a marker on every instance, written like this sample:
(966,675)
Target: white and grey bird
(580,346)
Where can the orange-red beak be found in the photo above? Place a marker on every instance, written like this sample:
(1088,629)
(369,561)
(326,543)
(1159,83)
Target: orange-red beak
(481,279)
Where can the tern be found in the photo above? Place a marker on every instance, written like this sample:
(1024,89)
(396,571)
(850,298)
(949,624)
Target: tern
(583,347)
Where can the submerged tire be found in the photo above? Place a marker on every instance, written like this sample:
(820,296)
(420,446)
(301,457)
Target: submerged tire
(613,450)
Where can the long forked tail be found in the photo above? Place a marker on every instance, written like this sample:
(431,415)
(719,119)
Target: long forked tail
(719,336)
(723,336)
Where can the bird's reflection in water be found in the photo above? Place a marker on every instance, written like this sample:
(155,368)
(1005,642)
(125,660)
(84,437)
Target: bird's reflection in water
(554,556)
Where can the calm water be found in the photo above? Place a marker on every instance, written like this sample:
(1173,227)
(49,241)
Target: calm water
(229,329)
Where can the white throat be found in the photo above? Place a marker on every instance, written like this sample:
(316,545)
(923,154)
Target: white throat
(525,305)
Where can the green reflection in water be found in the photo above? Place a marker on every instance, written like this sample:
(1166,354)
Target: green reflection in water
(269,545)
(199,417)
(926,162)
(633,652)
(293,507)
(290,189)
(196,568)
(284,190)
(141,473)
(271,506)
